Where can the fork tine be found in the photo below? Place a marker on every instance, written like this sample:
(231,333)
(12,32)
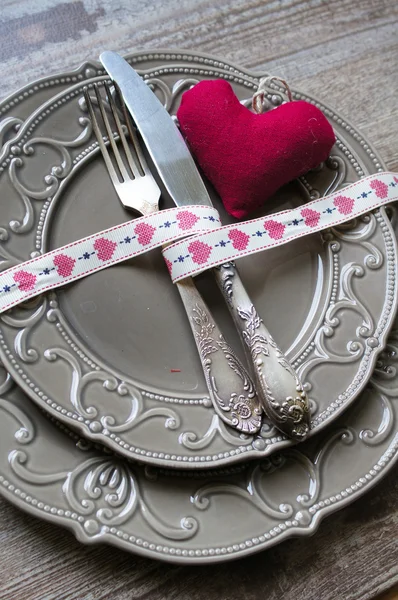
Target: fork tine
(119,161)
(133,136)
(133,164)
(98,135)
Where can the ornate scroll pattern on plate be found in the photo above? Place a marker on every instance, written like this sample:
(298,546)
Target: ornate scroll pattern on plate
(28,316)
(253,488)
(9,127)
(345,304)
(81,381)
(52,179)
(103,492)
(170,95)
(197,436)
(26,432)
(384,382)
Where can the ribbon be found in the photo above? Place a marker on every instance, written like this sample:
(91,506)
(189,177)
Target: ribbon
(191,256)
(101,250)
(211,245)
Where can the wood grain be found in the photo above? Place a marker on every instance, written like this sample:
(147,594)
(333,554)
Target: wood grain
(346,53)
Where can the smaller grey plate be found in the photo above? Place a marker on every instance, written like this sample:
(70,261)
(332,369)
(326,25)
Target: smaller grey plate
(102,354)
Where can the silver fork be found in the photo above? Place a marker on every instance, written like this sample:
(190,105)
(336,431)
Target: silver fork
(230,387)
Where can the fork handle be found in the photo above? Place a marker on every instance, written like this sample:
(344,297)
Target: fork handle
(230,387)
(279,388)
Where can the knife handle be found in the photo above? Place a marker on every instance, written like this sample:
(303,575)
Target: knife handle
(281,393)
(230,387)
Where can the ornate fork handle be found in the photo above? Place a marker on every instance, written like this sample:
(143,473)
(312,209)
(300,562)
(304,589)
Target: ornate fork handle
(281,393)
(230,387)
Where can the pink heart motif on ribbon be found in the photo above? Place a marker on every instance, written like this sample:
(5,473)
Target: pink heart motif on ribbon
(104,248)
(145,233)
(64,264)
(275,229)
(239,239)
(101,250)
(200,252)
(192,256)
(311,217)
(26,281)
(380,188)
(186,220)
(344,205)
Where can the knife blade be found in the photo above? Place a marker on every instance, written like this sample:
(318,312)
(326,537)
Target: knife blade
(278,386)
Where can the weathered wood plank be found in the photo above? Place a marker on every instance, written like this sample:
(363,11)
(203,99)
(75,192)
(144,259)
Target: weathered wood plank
(346,53)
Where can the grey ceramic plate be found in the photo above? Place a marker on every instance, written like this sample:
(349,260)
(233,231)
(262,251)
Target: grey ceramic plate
(100,354)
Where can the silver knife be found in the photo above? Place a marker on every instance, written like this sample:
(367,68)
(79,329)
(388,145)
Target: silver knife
(278,386)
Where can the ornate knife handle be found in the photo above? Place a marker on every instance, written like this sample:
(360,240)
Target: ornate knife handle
(278,386)
(230,387)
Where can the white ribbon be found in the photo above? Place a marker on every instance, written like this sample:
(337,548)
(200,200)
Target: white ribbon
(211,245)
(196,254)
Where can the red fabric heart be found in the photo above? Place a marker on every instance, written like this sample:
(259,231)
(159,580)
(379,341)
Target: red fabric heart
(247,156)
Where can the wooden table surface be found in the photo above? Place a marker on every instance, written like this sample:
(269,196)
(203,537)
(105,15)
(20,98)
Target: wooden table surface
(346,53)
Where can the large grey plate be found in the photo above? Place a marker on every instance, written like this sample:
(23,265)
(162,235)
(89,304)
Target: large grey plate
(100,355)
(364,440)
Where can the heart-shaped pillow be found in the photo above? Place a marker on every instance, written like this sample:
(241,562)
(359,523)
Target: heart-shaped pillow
(249,156)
